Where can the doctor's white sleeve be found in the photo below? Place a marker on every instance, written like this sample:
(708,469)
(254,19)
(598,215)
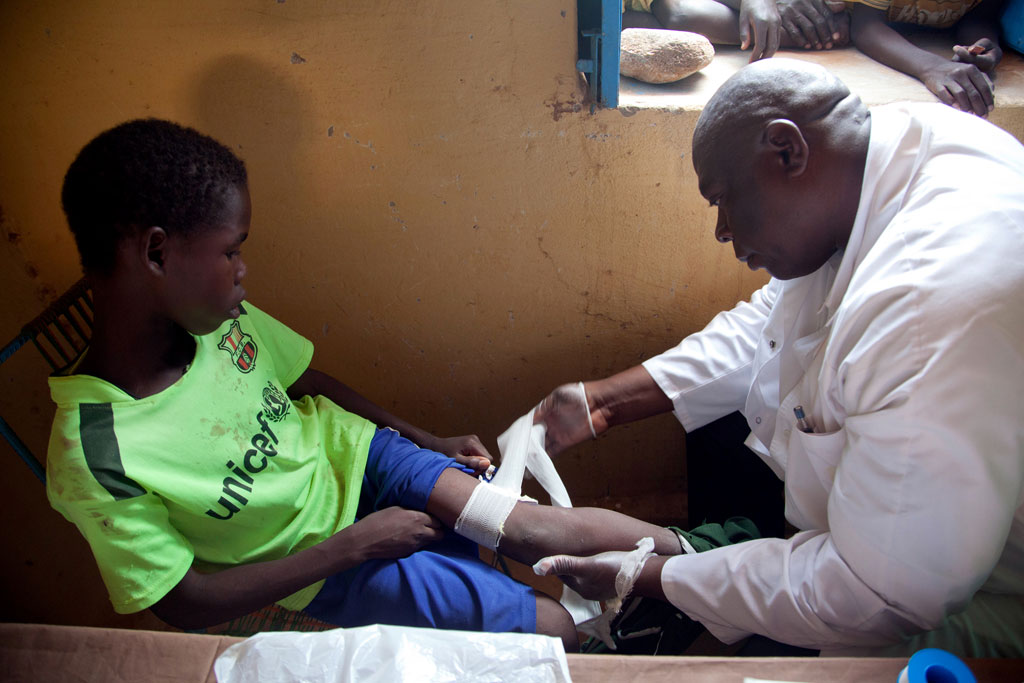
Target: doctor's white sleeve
(708,374)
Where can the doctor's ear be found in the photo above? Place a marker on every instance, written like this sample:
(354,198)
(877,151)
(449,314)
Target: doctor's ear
(787,144)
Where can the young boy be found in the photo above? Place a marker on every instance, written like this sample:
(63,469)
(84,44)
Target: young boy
(213,472)
(963,82)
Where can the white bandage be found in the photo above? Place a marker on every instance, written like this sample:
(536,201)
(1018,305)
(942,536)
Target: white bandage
(482,520)
(586,406)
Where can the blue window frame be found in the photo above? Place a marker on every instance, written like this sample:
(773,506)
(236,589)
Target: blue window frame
(600,29)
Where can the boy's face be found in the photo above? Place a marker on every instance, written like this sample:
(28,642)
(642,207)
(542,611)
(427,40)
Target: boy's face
(205,270)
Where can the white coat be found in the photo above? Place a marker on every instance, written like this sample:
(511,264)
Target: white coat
(906,352)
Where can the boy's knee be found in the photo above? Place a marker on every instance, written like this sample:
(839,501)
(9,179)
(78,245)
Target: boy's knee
(554,620)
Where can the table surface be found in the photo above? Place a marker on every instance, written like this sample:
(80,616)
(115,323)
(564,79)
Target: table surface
(32,652)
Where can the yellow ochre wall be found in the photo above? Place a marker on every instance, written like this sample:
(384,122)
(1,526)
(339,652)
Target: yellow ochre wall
(435,206)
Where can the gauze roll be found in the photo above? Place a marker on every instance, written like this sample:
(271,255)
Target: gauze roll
(483,518)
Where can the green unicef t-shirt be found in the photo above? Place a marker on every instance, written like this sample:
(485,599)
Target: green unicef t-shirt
(219,469)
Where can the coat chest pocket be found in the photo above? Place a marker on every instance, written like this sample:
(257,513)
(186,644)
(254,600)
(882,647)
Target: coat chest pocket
(810,472)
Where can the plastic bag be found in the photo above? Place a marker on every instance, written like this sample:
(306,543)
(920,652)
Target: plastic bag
(385,654)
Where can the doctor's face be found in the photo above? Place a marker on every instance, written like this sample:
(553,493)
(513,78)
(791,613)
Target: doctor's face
(772,220)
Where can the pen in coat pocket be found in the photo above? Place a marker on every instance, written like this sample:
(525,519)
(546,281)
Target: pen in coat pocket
(801,420)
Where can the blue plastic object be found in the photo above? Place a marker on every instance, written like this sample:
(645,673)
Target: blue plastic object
(933,665)
(1013,24)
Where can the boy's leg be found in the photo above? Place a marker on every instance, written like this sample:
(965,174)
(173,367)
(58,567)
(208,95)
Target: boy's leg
(631,19)
(444,585)
(715,21)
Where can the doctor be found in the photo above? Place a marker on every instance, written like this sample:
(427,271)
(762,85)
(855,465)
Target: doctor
(894,324)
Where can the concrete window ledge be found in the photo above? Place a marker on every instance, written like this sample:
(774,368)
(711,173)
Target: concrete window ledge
(874,82)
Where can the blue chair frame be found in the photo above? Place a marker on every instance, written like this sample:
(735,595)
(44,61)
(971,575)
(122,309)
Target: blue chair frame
(61,334)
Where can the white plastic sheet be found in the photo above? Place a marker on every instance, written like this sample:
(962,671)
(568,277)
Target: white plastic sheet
(389,654)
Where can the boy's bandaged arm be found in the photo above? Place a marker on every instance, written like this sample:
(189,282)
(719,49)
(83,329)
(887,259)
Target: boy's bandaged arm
(200,600)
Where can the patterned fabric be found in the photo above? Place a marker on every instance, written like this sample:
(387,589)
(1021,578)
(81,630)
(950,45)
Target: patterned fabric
(934,13)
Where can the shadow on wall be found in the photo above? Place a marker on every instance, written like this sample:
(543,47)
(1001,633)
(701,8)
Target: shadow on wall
(253,109)
(263,116)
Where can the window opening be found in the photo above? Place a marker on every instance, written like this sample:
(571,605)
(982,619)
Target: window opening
(600,28)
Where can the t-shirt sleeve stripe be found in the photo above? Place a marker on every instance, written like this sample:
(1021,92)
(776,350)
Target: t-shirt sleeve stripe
(102,454)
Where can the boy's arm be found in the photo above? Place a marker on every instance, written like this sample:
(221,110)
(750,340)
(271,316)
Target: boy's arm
(959,85)
(201,600)
(760,26)
(467,450)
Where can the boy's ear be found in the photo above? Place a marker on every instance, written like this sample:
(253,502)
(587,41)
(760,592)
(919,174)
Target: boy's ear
(153,248)
(787,144)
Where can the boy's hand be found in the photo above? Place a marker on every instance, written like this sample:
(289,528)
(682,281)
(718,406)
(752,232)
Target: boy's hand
(565,416)
(760,27)
(392,533)
(809,23)
(984,54)
(468,451)
(961,86)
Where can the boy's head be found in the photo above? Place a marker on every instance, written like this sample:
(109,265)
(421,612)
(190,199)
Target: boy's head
(144,173)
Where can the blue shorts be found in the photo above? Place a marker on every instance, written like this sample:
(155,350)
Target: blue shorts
(444,585)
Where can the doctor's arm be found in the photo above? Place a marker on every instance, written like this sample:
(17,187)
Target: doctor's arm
(915,504)
(713,359)
(573,413)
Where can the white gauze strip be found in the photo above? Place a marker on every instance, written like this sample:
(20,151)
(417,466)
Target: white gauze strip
(482,520)
(600,626)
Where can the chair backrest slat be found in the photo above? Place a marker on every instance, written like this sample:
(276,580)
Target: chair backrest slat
(69,317)
(61,333)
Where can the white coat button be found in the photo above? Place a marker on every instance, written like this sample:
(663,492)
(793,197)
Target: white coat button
(771,344)
(757,420)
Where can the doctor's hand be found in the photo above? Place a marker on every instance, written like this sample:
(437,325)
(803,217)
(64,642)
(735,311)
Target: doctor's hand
(565,414)
(592,577)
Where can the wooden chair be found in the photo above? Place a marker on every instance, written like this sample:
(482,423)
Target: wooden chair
(61,333)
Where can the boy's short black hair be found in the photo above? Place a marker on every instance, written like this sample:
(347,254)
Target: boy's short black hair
(144,173)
